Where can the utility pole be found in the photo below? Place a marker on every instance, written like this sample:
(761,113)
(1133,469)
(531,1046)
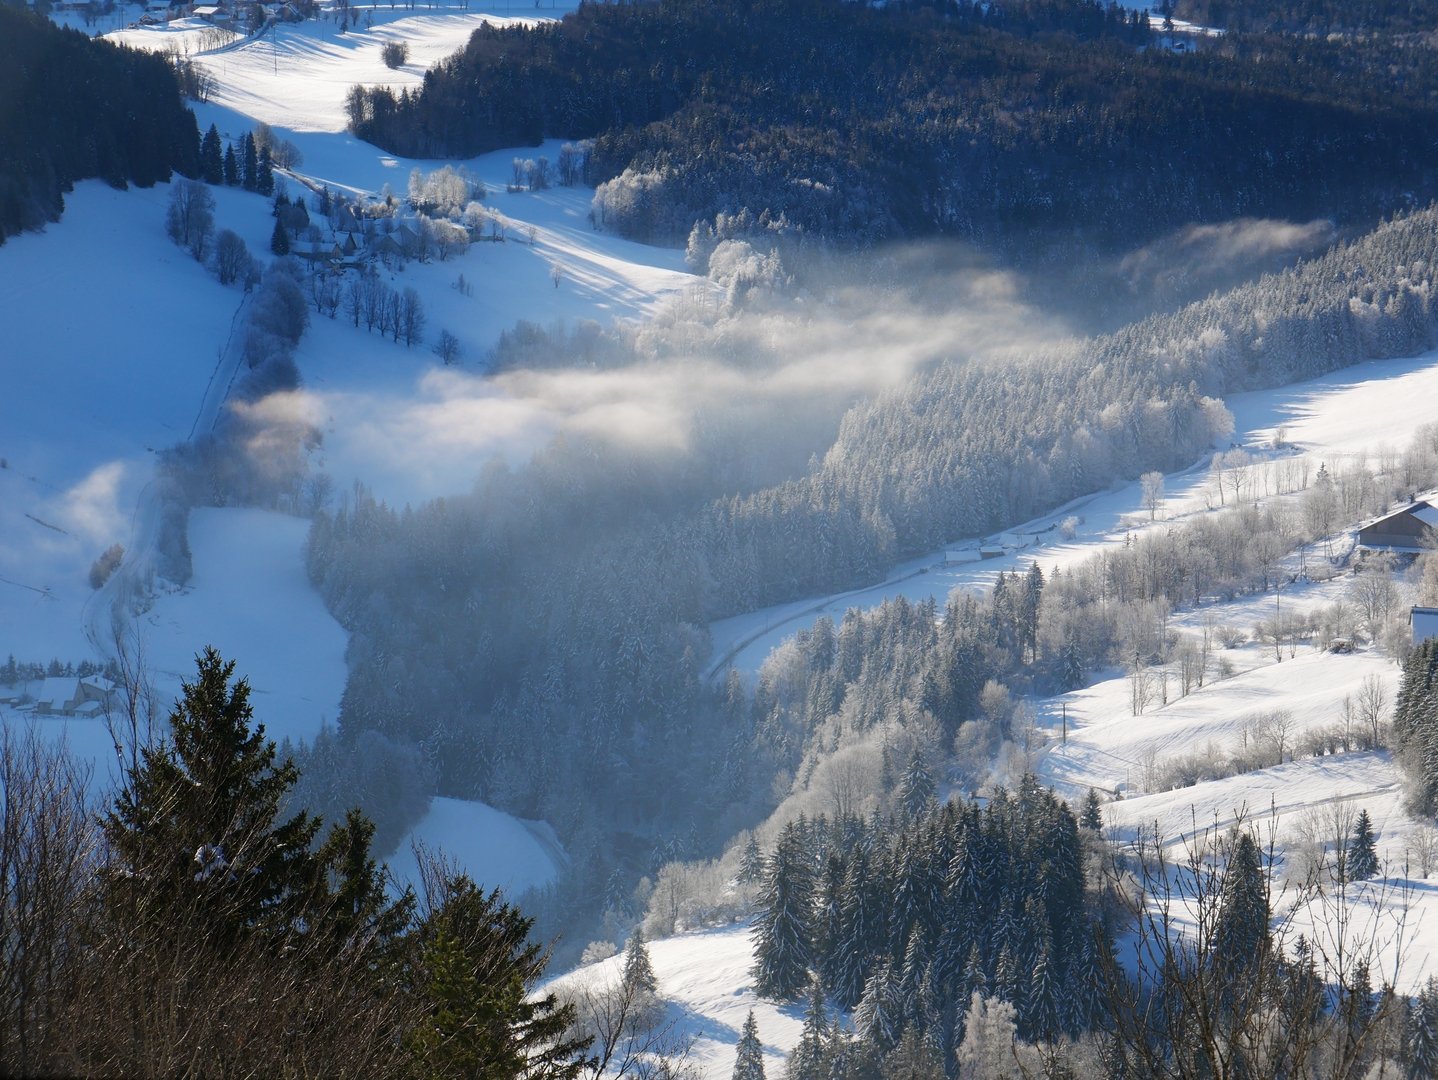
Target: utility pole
(1065,706)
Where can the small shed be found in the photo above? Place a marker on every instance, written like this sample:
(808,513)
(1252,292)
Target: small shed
(992,551)
(1424,623)
(1403,530)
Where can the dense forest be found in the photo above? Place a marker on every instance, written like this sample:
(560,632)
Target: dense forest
(578,655)
(74,109)
(1015,126)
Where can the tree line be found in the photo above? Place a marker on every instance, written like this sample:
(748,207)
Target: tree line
(80,109)
(1009,125)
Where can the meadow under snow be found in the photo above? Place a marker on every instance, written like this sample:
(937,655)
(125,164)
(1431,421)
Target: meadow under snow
(115,336)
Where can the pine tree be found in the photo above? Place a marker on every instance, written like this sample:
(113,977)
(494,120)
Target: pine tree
(749,1061)
(1092,816)
(783,929)
(212,165)
(265,173)
(280,239)
(198,820)
(232,166)
(639,980)
(1240,935)
(476,969)
(806,1062)
(1362,857)
(249,163)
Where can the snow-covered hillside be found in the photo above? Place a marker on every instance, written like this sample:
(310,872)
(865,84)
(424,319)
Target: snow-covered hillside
(116,344)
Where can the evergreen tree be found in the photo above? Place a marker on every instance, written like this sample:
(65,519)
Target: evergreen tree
(265,173)
(475,968)
(878,1018)
(198,820)
(751,863)
(280,239)
(249,163)
(783,929)
(914,1058)
(1092,816)
(749,1062)
(807,1061)
(212,166)
(916,786)
(1240,935)
(1422,1048)
(1361,863)
(232,166)
(638,971)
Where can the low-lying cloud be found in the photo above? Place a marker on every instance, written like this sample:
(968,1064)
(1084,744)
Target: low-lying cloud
(782,374)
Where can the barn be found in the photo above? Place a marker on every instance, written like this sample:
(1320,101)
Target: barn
(1408,529)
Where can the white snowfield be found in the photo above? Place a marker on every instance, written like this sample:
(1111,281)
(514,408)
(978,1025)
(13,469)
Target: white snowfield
(704,982)
(497,849)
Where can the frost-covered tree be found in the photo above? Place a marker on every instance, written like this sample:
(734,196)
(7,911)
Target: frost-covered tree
(639,980)
(749,1060)
(987,1052)
(190,217)
(807,1060)
(783,930)
(1361,862)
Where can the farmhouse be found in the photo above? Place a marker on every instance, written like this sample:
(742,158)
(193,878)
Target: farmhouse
(1402,530)
(90,696)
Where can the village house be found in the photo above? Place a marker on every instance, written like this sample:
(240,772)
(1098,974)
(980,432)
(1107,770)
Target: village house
(1407,529)
(91,696)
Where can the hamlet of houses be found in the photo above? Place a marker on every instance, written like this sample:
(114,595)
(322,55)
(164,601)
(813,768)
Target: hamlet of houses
(90,696)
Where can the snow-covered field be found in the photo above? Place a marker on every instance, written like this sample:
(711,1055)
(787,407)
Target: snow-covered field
(499,850)
(704,981)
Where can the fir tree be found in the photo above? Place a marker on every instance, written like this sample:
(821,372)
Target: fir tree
(249,163)
(1240,935)
(749,1061)
(198,820)
(1423,1033)
(1092,815)
(265,173)
(280,239)
(476,970)
(783,932)
(232,166)
(639,980)
(916,787)
(212,166)
(806,1062)
(1361,863)
(751,863)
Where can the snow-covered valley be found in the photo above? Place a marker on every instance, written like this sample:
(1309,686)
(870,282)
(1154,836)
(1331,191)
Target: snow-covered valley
(119,343)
